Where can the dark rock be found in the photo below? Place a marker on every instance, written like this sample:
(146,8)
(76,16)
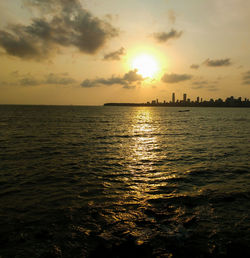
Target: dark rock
(54,252)
(238,249)
(128,248)
(43,234)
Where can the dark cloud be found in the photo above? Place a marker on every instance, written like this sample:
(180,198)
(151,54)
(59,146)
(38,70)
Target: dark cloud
(6,83)
(127,80)
(15,74)
(212,88)
(21,45)
(29,81)
(111,17)
(198,83)
(197,87)
(67,24)
(48,6)
(116,55)
(102,81)
(128,87)
(50,79)
(204,85)
(58,79)
(174,78)
(218,62)
(165,36)
(209,88)
(246,77)
(194,66)
(133,76)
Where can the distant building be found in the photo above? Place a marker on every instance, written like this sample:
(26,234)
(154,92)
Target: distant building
(187,102)
(173,97)
(219,101)
(184,97)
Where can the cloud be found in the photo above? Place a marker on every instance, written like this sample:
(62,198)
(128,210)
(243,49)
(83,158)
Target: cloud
(172,16)
(129,87)
(212,88)
(49,79)
(97,82)
(246,77)
(48,6)
(218,62)
(127,80)
(133,76)
(209,88)
(194,66)
(64,23)
(112,17)
(116,55)
(15,73)
(174,78)
(58,79)
(200,83)
(7,83)
(204,85)
(18,44)
(29,81)
(165,36)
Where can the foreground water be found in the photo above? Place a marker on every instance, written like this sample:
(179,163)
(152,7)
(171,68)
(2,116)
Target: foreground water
(124,182)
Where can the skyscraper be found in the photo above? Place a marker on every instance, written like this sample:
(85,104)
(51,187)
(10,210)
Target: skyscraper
(184,97)
(173,97)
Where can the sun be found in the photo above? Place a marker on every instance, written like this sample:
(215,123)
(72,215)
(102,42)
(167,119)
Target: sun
(146,65)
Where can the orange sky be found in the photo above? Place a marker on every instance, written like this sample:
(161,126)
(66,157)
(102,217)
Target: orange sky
(92,52)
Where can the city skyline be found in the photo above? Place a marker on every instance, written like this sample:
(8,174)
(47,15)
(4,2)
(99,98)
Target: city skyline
(197,99)
(93,52)
(185,101)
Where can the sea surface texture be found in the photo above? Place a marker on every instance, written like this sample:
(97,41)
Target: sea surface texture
(124,182)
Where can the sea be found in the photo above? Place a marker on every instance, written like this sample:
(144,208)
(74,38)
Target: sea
(79,181)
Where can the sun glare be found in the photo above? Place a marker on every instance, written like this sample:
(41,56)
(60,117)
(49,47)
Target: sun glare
(146,65)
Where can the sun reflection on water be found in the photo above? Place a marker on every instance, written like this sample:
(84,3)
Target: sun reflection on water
(144,132)
(147,172)
(144,154)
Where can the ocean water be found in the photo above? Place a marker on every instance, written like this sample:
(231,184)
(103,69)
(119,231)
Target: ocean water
(124,182)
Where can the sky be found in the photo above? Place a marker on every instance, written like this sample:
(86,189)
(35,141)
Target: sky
(77,52)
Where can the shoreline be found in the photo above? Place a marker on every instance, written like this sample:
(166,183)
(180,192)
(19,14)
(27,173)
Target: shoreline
(173,105)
